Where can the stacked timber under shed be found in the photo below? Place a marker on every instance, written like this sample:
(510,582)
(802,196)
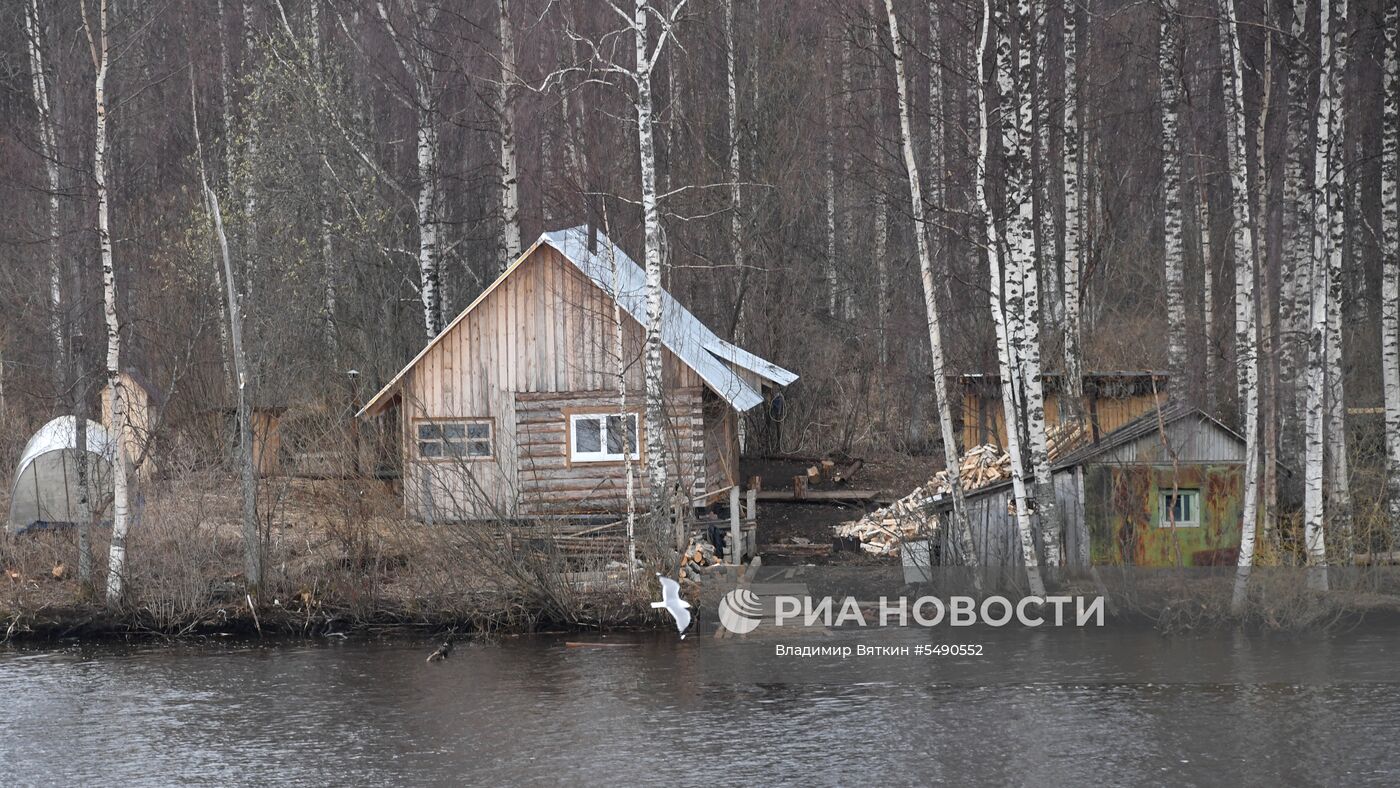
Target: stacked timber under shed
(882,531)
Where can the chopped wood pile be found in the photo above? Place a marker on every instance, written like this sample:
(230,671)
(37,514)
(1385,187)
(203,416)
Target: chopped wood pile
(881,531)
(699,555)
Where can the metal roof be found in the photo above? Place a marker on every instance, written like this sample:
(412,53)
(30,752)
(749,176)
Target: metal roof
(712,358)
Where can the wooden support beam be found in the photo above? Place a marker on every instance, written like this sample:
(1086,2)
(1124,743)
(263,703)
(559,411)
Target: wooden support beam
(735,551)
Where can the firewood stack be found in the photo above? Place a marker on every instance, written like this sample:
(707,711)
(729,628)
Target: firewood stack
(698,556)
(881,531)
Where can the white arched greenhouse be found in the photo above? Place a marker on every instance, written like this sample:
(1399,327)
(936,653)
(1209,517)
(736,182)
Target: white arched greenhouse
(45,489)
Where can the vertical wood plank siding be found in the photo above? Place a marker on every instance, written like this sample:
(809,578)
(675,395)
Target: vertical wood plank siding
(541,342)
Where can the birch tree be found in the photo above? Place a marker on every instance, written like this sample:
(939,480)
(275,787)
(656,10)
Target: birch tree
(414,58)
(1173,239)
(1073,391)
(1297,210)
(1390,287)
(96,32)
(1243,247)
(510,185)
(831,285)
(252,543)
(736,192)
(646,55)
(1000,279)
(1047,258)
(48,150)
(1333,219)
(324,175)
(1022,305)
(952,458)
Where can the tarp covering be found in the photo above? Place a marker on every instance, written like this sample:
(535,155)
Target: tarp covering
(45,488)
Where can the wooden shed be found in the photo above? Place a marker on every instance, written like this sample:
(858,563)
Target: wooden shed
(1111,400)
(1164,486)
(144,401)
(515,407)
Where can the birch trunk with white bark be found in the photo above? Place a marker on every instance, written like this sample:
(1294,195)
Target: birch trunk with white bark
(1334,221)
(736,192)
(428,199)
(651,223)
(1207,253)
(1174,243)
(98,47)
(1327,196)
(1047,254)
(252,541)
(510,180)
(830,262)
(48,150)
(1001,307)
(1294,296)
(1025,315)
(962,530)
(1390,279)
(1073,388)
(1243,247)
(328,265)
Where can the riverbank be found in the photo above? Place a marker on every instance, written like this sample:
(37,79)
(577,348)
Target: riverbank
(340,559)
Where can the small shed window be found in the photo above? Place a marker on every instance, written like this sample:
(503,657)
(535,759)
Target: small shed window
(602,437)
(1182,508)
(454,439)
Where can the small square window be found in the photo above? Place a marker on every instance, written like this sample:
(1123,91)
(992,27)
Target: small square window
(1182,509)
(603,437)
(454,439)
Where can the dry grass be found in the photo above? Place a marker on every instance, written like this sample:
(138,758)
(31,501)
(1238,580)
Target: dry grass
(338,556)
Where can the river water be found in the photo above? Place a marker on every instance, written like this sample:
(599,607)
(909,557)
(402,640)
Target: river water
(1109,707)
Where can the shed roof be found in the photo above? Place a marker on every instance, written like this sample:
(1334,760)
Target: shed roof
(699,348)
(1146,424)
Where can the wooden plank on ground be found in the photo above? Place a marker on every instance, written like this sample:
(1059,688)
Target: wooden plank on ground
(818,496)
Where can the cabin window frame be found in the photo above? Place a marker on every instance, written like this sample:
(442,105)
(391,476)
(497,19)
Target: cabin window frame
(1165,496)
(602,457)
(466,439)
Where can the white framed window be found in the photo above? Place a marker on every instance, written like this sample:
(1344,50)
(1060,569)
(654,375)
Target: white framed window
(603,437)
(1182,508)
(454,439)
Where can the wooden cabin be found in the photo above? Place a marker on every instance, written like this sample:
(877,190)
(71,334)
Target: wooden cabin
(1110,401)
(144,400)
(1164,486)
(515,408)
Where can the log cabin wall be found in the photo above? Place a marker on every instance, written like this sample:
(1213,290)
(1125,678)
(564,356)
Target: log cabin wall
(542,341)
(549,482)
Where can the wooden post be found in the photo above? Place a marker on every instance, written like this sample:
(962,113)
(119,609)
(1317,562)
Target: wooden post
(736,534)
(799,487)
